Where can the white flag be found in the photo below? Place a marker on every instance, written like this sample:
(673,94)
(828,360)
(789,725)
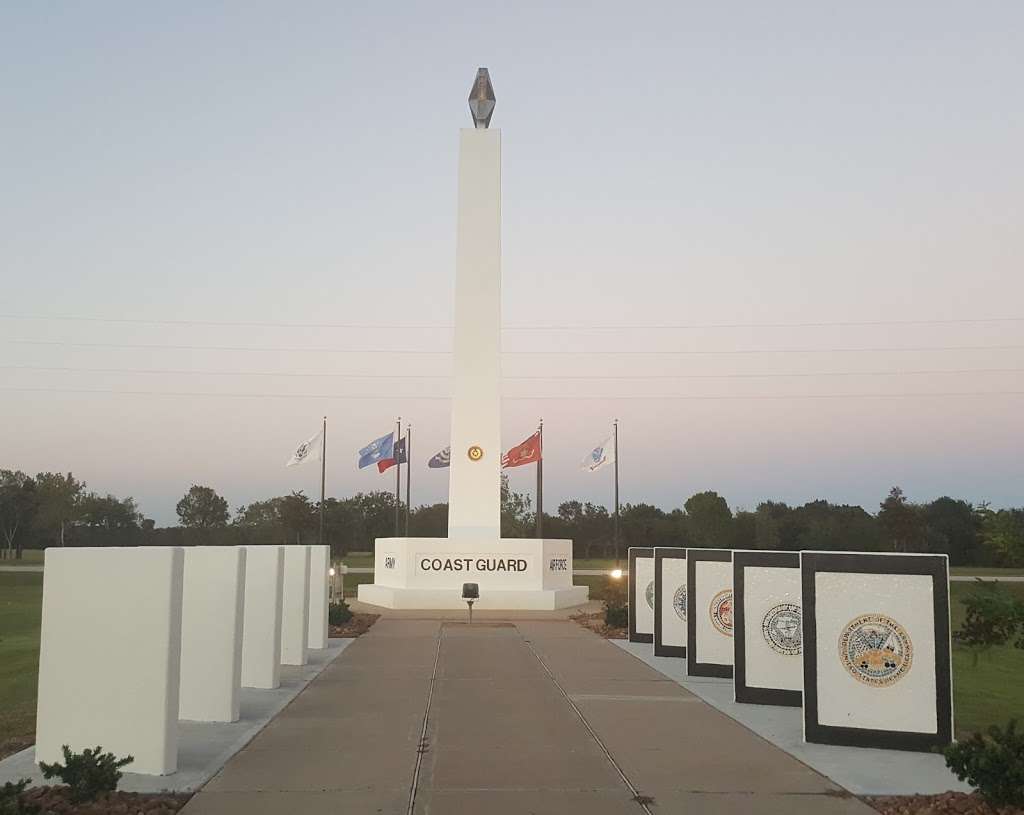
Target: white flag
(307,451)
(599,456)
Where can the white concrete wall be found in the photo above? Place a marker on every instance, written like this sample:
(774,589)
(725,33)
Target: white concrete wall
(261,632)
(211,633)
(474,486)
(767,589)
(711,577)
(673,618)
(319,564)
(643,581)
(295,608)
(109,657)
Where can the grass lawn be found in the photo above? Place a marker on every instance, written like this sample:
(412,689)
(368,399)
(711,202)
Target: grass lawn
(21,598)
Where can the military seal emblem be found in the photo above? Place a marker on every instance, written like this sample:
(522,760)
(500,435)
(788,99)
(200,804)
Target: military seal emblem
(475,453)
(721,612)
(781,629)
(649,595)
(876,650)
(679,603)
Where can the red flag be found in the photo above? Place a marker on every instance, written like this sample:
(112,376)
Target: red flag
(526,453)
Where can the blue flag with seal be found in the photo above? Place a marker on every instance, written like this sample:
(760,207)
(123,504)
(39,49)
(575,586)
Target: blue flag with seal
(442,459)
(377,450)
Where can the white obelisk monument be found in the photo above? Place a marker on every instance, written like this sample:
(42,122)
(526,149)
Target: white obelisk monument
(511,573)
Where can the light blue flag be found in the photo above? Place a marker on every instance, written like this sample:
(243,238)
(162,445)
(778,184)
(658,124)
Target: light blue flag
(376,450)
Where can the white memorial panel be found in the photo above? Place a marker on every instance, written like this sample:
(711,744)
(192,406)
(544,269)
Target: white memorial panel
(295,606)
(109,656)
(876,650)
(709,612)
(766,591)
(211,633)
(641,594)
(319,588)
(261,631)
(669,601)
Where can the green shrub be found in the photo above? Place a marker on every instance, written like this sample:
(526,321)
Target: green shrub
(992,762)
(10,799)
(616,617)
(339,613)
(615,595)
(994,616)
(88,774)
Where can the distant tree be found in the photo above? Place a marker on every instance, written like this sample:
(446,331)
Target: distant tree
(18,506)
(901,522)
(202,508)
(1002,534)
(296,515)
(709,520)
(60,499)
(745,530)
(517,518)
(429,521)
(589,526)
(952,528)
(109,512)
(767,525)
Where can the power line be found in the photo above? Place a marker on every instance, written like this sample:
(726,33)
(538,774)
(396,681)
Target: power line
(532,377)
(416,397)
(534,327)
(547,352)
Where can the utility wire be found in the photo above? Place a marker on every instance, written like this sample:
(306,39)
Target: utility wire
(603,352)
(606,398)
(535,327)
(532,377)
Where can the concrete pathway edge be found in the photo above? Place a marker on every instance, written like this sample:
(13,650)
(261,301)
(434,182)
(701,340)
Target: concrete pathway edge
(859,770)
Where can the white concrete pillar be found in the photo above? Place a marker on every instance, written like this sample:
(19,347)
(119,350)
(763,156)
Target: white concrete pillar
(295,618)
(474,502)
(261,632)
(110,650)
(319,564)
(211,633)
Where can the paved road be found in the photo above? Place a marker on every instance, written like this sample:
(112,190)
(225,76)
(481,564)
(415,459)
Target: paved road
(539,716)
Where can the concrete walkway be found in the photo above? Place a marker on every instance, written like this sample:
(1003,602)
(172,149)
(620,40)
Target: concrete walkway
(533,716)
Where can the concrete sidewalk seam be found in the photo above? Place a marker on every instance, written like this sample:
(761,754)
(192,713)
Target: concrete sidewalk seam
(421,748)
(641,800)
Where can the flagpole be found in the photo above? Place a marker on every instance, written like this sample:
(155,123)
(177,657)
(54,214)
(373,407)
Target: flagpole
(540,481)
(323,480)
(408,474)
(398,475)
(615,425)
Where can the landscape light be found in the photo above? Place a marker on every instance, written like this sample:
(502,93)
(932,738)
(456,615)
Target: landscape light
(616,574)
(331,571)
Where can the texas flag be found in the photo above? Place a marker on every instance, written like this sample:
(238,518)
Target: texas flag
(398,456)
(526,453)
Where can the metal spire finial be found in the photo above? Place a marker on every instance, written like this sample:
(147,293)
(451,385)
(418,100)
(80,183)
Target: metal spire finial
(481,100)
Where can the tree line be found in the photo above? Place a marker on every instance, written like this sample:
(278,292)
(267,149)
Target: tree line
(52,509)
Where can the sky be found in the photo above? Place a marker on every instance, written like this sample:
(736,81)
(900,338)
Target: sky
(783,241)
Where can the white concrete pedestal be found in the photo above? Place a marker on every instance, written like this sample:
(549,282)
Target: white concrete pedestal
(211,633)
(319,587)
(109,655)
(295,608)
(513,574)
(261,634)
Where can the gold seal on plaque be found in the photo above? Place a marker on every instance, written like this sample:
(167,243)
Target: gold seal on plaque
(475,453)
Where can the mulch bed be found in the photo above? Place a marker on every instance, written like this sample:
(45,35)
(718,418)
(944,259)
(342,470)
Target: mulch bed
(595,622)
(948,803)
(8,747)
(55,801)
(356,627)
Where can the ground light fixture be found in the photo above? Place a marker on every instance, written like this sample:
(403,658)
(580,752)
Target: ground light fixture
(616,574)
(470,593)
